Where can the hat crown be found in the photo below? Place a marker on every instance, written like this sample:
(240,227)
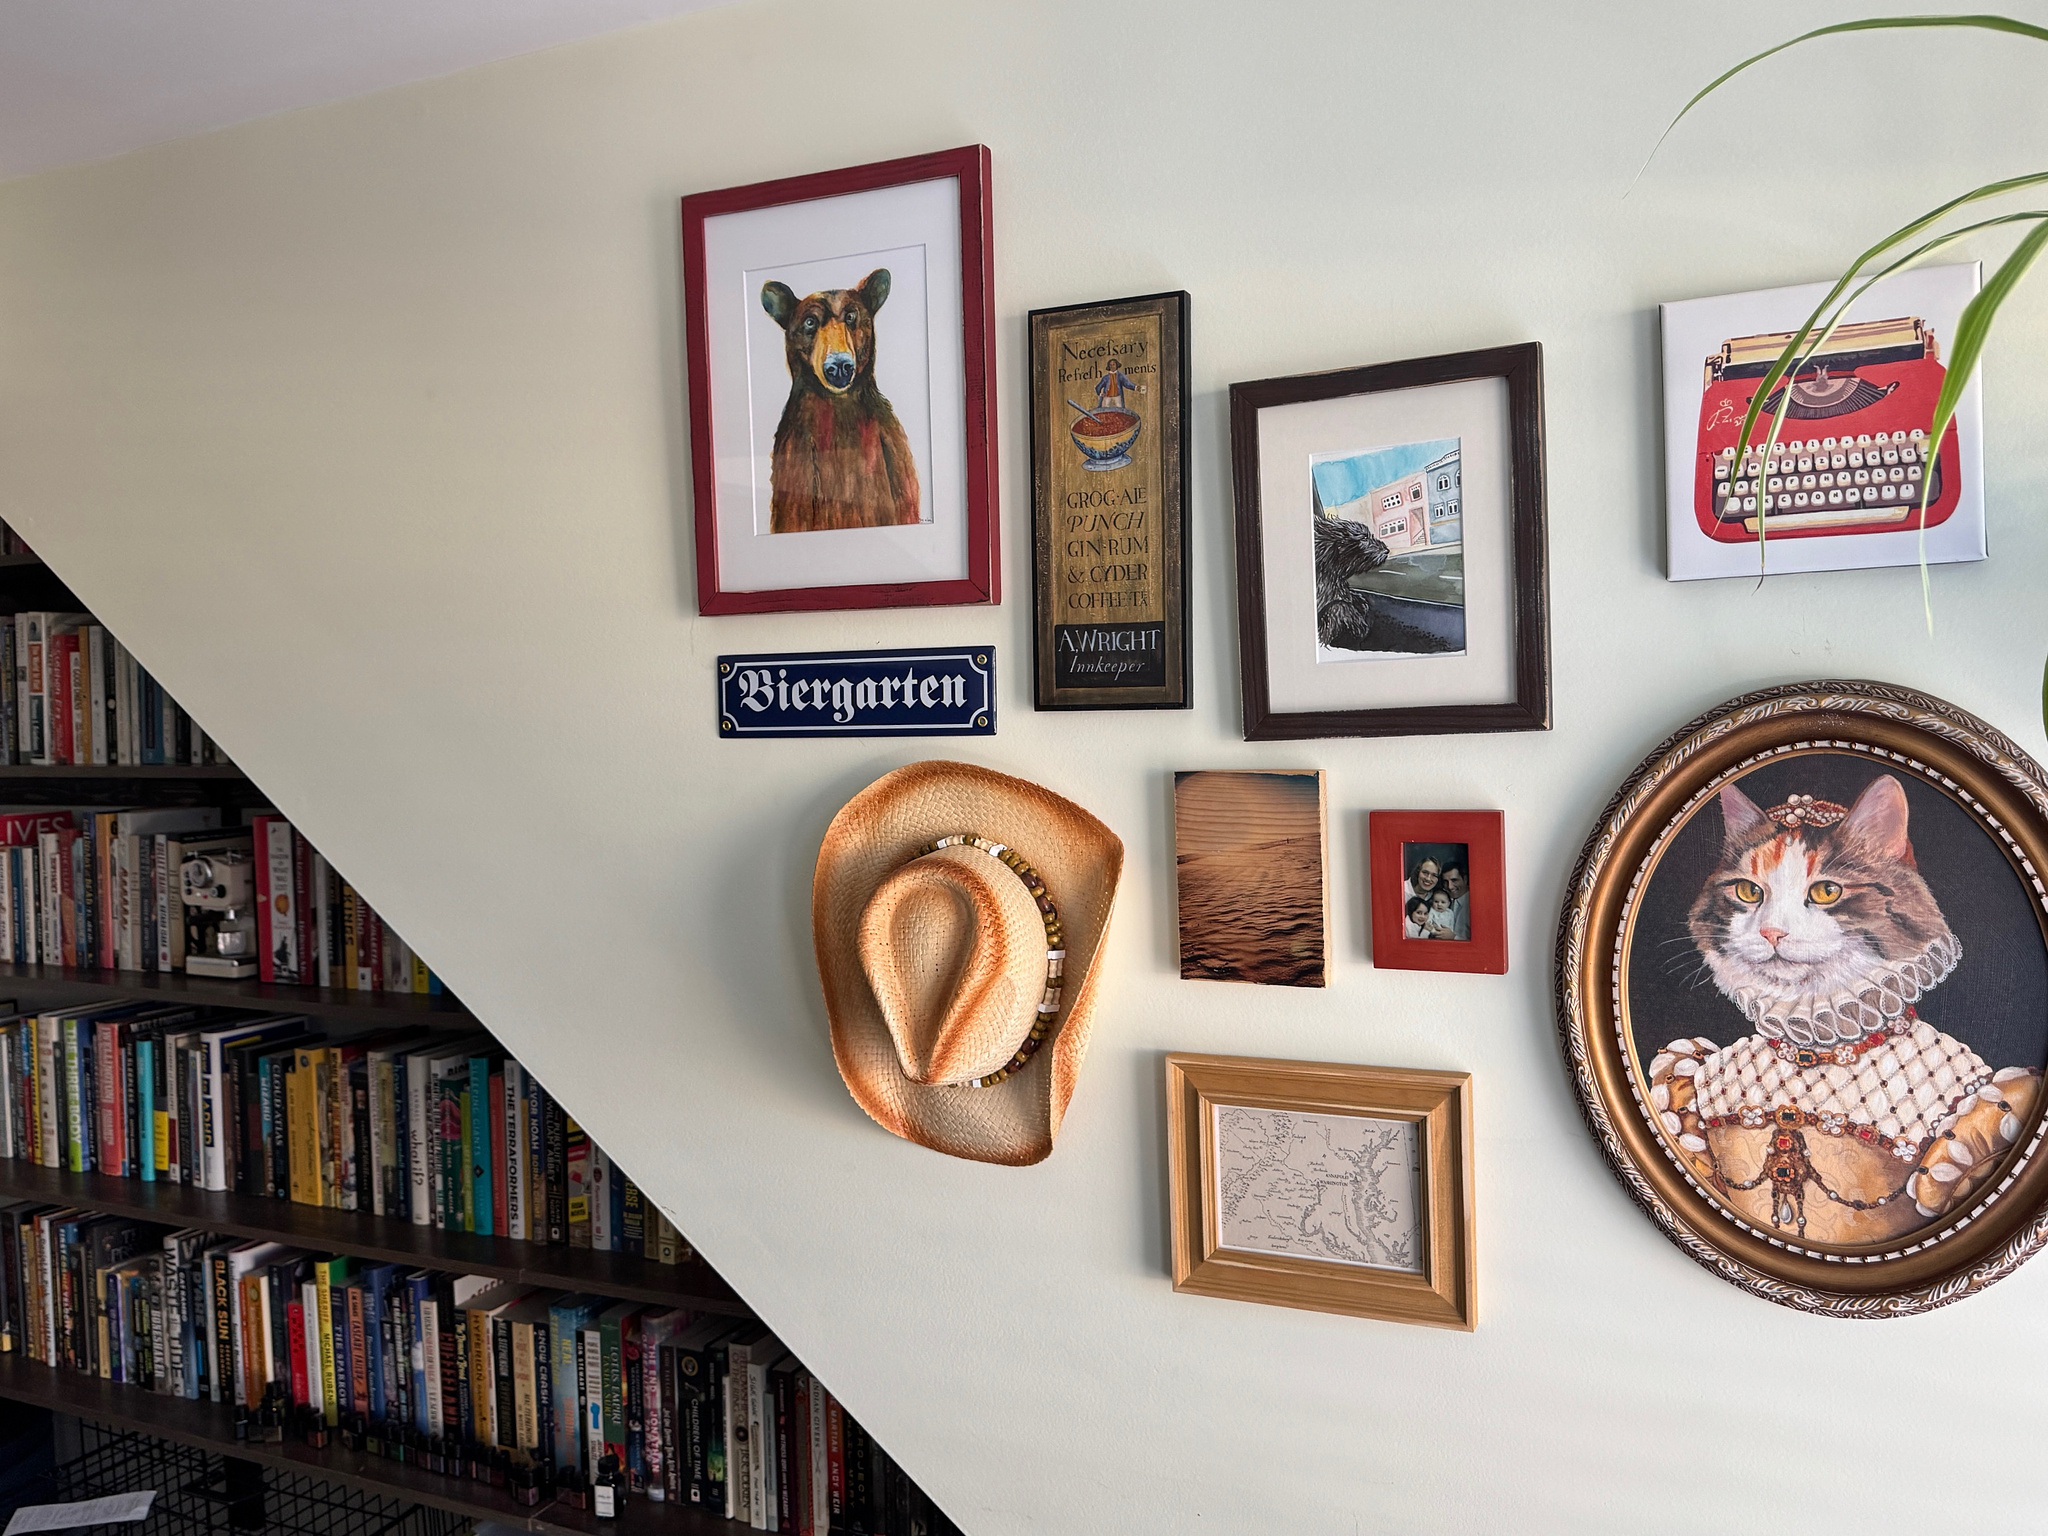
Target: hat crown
(954,947)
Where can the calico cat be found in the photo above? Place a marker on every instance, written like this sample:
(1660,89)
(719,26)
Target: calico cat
(1845,1118)
(1808,909)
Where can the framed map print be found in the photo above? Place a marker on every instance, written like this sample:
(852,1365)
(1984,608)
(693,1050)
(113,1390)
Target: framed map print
(1327,1187)
(1803,989)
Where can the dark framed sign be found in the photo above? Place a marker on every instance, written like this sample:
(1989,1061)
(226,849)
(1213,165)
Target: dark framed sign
(841,356)
(1109,509)
(1392,569)
(1802,976)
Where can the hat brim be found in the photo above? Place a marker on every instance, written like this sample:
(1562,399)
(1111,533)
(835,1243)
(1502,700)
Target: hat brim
(879,830)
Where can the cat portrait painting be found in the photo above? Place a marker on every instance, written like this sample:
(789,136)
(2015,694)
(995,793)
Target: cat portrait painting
(1837,1003)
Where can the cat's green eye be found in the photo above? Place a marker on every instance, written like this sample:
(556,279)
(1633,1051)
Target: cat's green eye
(1824,893)
(1747,891)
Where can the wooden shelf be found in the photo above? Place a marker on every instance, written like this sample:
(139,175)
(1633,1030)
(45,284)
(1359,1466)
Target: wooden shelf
(108,786)
(365,1008)
(381,1238)
(211,1427)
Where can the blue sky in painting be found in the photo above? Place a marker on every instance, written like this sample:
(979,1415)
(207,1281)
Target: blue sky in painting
(1346,477)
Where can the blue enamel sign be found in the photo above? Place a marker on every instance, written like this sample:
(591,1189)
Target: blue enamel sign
(927,691)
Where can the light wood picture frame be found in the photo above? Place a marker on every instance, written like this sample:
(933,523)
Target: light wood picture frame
(1409,1145)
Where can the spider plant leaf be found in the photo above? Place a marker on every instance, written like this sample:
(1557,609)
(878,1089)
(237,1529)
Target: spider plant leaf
(1868,24)
(1897,237)
(1973,329)
(1789,364)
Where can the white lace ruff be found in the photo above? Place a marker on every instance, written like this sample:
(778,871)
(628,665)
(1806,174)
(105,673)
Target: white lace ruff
(1882,995)
(1911,1086)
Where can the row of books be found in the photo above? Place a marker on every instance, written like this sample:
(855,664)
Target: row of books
(12,543)
(547,1395)
(71,693)
(440,1129)
(172,889)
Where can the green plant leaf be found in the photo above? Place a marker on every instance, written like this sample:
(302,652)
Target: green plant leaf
(1973,329)
(1869,24)
(1787,363)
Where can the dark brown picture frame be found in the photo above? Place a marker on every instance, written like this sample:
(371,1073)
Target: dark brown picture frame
(1521,367)
(1167,530)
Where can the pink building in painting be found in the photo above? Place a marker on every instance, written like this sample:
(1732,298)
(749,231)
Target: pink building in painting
(1400,511)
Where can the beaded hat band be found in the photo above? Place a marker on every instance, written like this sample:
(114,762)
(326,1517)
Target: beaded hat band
(1055,951)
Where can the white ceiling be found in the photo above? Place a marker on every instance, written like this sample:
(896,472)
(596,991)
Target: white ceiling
(87,79)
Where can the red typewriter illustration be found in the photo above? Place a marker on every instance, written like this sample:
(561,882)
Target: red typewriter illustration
(1853,446)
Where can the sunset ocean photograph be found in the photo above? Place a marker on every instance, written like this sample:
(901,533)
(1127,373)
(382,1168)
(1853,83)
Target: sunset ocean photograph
(1248,848)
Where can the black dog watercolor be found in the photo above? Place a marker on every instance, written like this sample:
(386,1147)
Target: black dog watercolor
(1389,552)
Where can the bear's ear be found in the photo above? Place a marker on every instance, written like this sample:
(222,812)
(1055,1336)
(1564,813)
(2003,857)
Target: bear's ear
(779,301)
(876,289)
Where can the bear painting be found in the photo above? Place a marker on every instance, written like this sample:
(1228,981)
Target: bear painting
(841,458)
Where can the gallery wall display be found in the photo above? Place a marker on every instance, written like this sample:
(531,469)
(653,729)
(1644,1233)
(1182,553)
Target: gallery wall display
(1803,993)
(1251,853)
(959,917)
(1109,508)
(921,691)
(842,388)
(1439,891)
(1391,558)
(1327,1187)
(1842,488)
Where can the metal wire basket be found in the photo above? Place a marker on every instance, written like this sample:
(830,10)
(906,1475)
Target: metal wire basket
(200,1494)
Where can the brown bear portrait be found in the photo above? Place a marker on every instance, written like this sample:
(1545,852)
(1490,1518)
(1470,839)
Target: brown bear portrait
(841,458)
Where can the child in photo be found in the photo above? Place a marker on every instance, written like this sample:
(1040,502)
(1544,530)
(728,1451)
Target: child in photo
(1416,925)
(1440,922)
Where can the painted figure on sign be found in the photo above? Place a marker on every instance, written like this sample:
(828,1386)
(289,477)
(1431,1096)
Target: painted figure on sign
(841,458)
(1109,389)
(1846,1117)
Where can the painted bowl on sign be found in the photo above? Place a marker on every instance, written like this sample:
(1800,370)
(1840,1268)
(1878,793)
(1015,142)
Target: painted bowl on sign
(1105,438)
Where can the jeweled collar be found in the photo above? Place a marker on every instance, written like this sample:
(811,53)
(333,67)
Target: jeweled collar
(1874,1004)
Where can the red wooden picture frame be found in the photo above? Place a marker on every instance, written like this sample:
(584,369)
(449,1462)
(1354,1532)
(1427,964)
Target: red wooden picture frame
(970,165)
(1483,834)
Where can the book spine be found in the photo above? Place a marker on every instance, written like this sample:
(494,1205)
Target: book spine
(499,1168)
(557,1163)
(479,1125)
(516,1151)
(578,1176)
(418,1132)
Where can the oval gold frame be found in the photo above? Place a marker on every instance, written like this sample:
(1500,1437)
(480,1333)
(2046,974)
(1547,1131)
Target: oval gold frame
(1947,747)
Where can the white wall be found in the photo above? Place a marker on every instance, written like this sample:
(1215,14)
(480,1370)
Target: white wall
(364,426)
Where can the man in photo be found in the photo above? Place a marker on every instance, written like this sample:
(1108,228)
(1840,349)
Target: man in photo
(1461,901)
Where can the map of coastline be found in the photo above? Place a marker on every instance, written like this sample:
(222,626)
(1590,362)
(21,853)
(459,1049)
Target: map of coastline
(1344,1189)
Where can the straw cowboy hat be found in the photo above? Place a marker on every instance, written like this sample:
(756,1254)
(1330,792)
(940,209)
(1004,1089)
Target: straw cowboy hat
(958,916)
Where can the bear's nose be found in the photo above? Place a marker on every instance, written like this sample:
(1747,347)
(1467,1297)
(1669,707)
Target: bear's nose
(838,369)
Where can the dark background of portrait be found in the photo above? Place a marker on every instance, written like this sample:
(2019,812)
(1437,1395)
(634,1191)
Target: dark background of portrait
(1996,999)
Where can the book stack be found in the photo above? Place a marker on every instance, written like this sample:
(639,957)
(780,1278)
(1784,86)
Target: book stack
(442,1130)
(71,693)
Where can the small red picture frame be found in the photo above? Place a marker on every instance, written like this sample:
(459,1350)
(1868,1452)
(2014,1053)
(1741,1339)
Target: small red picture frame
(757,261)
(1451,862)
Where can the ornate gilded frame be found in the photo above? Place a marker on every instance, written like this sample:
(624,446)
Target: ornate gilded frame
(1989,776)
(1439,1104)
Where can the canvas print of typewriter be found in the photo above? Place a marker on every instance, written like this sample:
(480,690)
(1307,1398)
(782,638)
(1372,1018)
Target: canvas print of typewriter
(1852,451)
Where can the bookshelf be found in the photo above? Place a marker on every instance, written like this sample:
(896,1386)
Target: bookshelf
(27,584)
